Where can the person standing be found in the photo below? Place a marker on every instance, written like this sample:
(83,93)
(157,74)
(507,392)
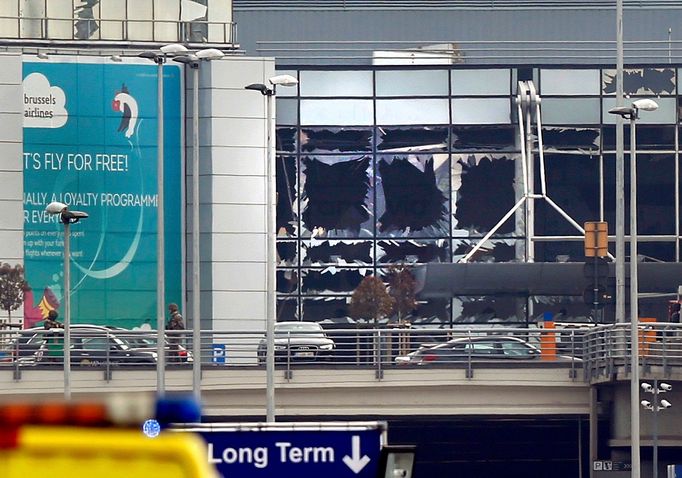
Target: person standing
(176,322)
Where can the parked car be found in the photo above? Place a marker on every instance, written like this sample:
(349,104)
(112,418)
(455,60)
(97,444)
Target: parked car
(146,341)
(479,348)
(298,341)
(91,345)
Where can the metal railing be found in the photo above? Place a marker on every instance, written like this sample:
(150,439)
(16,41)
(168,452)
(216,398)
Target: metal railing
(378,349)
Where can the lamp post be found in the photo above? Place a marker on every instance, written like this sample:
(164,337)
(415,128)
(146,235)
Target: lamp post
(655,407)
(271,256)
(193,60)
(159,57)
(67,218)
(632,113)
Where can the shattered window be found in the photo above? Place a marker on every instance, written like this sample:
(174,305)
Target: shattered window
(336,196)
(493,250)
(287,309)
(285,139)
(332,311)
(656,251)
(344,252)
(563,251)
(641,81)
(412,139)
(573,186)
(509,311)
(412,195)
(331,280)
(484,138)
(287,253)
(655,192)
(412,251)
(483,192)
(335,140)
(659,137)
(570,138)
(286,179)
(287,281)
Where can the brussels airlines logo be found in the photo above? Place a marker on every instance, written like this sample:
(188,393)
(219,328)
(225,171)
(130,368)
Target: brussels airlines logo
(44,104)
(127,105)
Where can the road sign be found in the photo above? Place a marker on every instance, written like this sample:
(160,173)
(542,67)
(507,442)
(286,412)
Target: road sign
(300,450)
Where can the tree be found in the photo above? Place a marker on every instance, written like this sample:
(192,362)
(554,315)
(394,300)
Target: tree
(371,300)
(12,286)
(401,287)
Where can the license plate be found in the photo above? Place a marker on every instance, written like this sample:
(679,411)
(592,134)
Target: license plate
(304,354)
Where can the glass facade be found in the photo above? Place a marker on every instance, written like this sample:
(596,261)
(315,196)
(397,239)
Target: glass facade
(385,166)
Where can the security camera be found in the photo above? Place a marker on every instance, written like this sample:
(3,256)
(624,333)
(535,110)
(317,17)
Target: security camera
(646,403)
(647,387)
(666,387)
(400,473)
(666,404)
(55,207)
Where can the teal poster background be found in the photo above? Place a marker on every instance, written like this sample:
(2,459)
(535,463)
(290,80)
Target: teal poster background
(90,135)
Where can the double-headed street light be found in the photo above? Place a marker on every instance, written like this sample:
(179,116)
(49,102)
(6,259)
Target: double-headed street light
(159,57)
(632,113)
(67,218)
(269,91)
(193,60)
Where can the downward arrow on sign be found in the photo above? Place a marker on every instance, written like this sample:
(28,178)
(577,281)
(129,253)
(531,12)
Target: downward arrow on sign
(356,463)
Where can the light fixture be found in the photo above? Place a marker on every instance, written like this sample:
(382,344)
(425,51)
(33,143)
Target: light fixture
(66,217)
(271,244)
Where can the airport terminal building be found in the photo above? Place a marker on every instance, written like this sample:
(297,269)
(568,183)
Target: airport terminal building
(393,149)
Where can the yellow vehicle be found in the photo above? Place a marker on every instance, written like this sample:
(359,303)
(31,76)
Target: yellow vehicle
(60,441)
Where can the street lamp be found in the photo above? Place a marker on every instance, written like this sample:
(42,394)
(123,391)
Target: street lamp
(655,407)
(159,57)
(193,60)
(67,218)
(632,113)
(271,256)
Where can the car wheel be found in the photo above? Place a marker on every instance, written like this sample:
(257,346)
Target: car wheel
(85,363)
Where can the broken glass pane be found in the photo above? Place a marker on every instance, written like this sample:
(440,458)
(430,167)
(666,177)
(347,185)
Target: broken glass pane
(483,192)
(287,253)
(570,139)
(331,280)
(345,252)
(493,250)
(655,193)
(412,195)
(490,310)
(337,198)
(287,281)
(287,222)
(477,138)
(561,251)
(327,310)
(287,309)
(641,81)
(412,251)
(412,139)
(656,251)
(285,139)
(336,140)
(649,137)
(573,185)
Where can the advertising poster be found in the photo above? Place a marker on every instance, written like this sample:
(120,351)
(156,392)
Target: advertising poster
(90,135)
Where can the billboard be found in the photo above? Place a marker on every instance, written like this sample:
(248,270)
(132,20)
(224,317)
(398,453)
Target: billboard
(90,136)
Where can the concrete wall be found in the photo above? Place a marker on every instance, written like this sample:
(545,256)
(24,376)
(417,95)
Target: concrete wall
(232,197)
(11,164)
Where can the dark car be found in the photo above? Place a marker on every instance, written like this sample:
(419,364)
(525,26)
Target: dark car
(484,348)
(146,341)
(90,345)
(298,341)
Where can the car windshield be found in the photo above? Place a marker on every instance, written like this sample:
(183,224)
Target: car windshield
(304,328)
